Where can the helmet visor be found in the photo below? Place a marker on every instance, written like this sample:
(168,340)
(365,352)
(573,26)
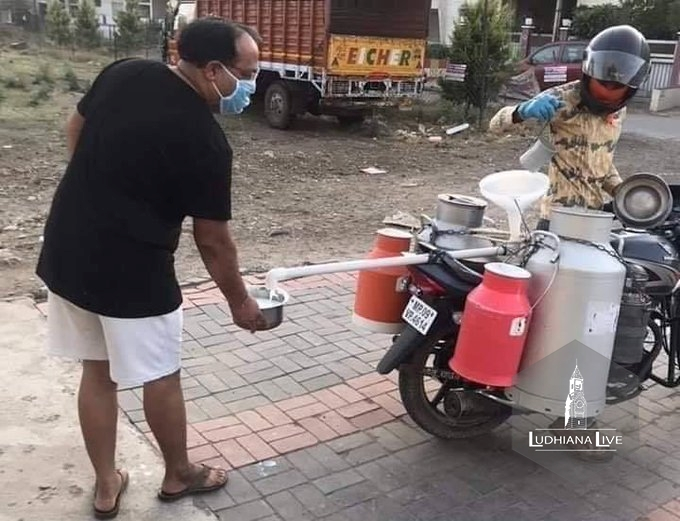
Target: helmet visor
(617,66)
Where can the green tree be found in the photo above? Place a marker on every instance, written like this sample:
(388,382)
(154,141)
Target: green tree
(588,21)
(129,28)
(86,25)
(481,41)
(656,19)
(58,23)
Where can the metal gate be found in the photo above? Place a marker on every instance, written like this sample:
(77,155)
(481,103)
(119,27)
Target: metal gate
(659,76)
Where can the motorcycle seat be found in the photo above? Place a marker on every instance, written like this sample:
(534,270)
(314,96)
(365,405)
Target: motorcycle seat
(446,278)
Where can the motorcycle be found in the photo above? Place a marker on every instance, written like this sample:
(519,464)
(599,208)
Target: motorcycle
(452,407)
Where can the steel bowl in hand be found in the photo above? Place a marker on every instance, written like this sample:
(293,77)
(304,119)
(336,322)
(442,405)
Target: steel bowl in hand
(271,304)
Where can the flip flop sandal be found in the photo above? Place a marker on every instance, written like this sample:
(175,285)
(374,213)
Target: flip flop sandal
(196,486)
(110,514)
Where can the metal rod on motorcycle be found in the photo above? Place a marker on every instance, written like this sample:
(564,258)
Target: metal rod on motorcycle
(280,274)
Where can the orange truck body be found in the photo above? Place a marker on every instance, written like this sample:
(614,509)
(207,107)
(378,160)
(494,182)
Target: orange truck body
(347,55)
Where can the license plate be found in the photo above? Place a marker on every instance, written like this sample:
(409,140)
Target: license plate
(419,315)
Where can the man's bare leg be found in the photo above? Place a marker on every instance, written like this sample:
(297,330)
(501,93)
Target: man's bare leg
(166,414)
(98,412)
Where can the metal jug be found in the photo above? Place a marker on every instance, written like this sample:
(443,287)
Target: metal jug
(455,215)
(455,210)
(540,154)
(577,302)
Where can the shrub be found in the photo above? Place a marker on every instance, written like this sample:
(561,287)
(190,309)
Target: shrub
(44,75)
(481,41)
(129,29)
(40,96)
(58,23)
(72,81)
(86,26)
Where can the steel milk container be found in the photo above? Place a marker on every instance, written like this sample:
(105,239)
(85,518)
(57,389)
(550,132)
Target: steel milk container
(574,324)
(456,214)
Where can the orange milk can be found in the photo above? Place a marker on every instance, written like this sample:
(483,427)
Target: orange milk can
(380,300)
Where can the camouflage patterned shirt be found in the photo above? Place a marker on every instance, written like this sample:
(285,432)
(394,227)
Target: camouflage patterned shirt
(581,172)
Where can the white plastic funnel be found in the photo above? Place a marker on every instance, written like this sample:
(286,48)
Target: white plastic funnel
(514,191)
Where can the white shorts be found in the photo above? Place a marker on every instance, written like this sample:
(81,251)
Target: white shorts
(138,350)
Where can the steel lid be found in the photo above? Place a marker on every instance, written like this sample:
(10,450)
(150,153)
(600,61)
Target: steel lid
(463,200)
(643,201)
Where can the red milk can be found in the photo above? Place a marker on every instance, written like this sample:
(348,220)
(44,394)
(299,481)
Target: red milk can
(494,327)
(379,302)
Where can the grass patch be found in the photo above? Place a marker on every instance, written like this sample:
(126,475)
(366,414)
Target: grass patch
(72,81)
(43,94)
(14,82)
(42,84)
(43,75)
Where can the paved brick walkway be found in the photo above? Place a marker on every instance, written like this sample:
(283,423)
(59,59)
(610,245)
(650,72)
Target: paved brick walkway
(312,432)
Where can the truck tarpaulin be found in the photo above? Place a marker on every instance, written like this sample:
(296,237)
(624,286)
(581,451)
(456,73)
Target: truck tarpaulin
(370,56)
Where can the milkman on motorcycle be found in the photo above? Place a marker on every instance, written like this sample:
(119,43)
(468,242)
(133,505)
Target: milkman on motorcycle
(585,118)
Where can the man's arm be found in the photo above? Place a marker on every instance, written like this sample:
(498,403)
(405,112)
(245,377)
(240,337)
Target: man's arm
(74,127)
(612,181)
(219,254)
(613,178)
(542,108)
(504,119)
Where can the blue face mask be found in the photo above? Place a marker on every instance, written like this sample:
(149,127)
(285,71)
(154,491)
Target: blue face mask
(239,99)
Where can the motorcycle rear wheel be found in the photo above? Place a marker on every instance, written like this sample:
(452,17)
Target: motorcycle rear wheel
(450,414)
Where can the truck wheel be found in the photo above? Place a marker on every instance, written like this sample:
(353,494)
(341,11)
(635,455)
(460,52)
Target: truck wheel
(278,105)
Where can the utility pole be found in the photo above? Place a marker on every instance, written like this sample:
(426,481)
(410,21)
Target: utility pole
(485,60)
(558,17)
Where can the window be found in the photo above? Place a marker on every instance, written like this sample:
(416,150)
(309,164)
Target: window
(573,53)
(547,55)
(433,30)
(116,7)
(144,10)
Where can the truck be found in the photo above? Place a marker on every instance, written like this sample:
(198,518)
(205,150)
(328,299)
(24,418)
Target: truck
(340,58)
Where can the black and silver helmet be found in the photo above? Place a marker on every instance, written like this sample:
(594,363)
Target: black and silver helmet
(618,54)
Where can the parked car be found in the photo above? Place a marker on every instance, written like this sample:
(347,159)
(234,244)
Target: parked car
(555,63)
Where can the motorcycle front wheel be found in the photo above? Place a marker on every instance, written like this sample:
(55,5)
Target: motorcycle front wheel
(436,402)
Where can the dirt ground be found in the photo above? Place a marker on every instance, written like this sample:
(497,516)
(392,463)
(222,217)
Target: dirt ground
(299,196)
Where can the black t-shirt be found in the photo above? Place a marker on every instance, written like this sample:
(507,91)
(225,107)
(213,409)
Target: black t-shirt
(150,153)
